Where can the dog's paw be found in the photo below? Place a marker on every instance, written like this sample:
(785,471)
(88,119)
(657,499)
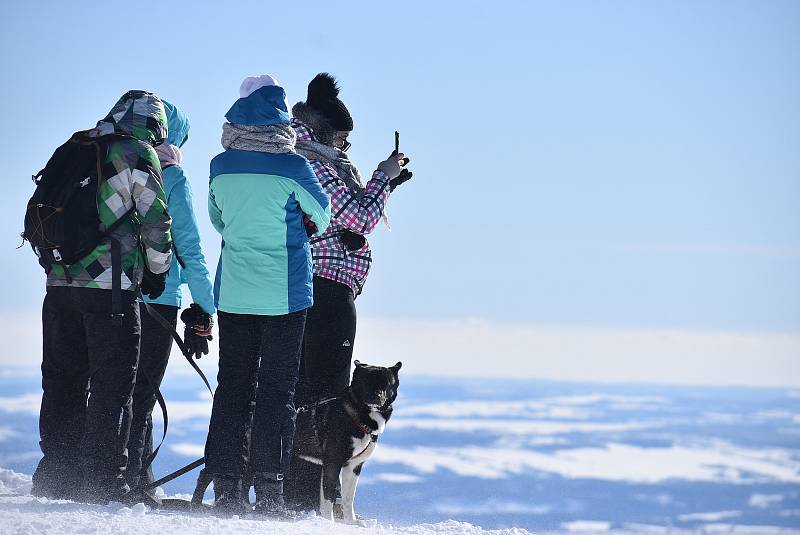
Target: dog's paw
(326,510)
(357,520)
(353,522)
(327,517)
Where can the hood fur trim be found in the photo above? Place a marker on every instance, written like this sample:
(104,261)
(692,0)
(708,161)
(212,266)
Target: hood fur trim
(319,125)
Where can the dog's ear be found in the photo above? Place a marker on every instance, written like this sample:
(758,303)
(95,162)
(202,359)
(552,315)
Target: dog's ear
(358,364)
(396,367)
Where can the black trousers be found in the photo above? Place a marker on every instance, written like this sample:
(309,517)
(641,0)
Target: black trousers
(324,372)
(258,360)
(154,353)
(89,364)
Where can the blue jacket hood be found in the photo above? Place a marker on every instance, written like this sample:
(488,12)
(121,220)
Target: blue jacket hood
(177,124)
(264,106)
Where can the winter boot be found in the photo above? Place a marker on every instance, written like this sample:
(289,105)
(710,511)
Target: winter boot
(57,479)
(147,497)
(269,494)
(102,490)
(203,481)
(138,494)
(228,498)
(301,486)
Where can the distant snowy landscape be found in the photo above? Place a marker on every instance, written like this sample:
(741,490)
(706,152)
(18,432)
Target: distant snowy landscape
(472,456)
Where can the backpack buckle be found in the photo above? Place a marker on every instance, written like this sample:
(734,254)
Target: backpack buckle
(56,255)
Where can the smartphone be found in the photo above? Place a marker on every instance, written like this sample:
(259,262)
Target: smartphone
(397,142)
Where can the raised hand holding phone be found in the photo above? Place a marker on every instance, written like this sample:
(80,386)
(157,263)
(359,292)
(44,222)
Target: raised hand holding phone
(405,174)
(401,158)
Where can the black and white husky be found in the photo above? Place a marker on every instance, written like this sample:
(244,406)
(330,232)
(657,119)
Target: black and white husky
(346,430)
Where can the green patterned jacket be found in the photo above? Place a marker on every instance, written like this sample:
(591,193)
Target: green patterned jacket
(132,182)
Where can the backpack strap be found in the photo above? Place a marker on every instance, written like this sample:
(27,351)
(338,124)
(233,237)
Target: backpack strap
(116,271)
(116,283)
(116,254)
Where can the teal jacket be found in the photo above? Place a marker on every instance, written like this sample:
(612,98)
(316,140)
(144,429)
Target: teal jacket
(257,201)
(189,263)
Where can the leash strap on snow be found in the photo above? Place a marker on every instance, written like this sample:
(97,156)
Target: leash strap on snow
(176,474)
(178,340)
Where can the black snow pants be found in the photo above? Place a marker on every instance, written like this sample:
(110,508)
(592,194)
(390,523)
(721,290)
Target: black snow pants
(153,358)
(89,363)
(324,372)
(258,357)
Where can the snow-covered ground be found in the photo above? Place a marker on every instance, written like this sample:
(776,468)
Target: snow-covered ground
(469,456)
(28,516)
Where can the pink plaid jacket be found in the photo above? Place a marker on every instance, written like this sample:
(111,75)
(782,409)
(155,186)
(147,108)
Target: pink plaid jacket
(331,258)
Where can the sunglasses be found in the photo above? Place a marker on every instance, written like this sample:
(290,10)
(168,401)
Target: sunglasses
(342,143)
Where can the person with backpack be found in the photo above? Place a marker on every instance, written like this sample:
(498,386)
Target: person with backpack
(342,258)
(261,192)
(188,267)
(98,221)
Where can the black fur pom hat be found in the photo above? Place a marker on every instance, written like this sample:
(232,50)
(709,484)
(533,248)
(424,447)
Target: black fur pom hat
(323,92)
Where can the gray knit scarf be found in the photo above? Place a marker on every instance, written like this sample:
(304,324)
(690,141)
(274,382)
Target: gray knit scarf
(275,138)
(337,159)
(323,149)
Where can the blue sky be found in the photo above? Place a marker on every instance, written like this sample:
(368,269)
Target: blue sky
(612,165)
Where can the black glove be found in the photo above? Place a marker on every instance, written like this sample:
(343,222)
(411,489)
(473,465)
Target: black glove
(404,176)
(153,283)
(352,241)
(196,344)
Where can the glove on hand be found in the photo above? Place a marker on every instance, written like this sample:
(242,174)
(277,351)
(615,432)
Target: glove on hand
(393,165)
(153,283)
(196,320)
(352,241)
(404,176)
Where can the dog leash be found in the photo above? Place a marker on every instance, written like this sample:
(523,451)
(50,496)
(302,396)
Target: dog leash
(351,412)
(178,340)
(312,406)
(182,346)
(173,475)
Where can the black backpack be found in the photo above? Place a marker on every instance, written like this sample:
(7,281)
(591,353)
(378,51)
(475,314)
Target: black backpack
(62,223)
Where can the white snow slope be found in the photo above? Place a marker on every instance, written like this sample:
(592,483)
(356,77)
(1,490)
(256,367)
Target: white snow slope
(30,516)
(26,515)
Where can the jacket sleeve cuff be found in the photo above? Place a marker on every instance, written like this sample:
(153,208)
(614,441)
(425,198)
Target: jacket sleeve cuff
(380,176)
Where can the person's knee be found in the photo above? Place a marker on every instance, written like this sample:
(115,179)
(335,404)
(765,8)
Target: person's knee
(117,391)
(278,387)
(113,380)
(235,370)
(64,385)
